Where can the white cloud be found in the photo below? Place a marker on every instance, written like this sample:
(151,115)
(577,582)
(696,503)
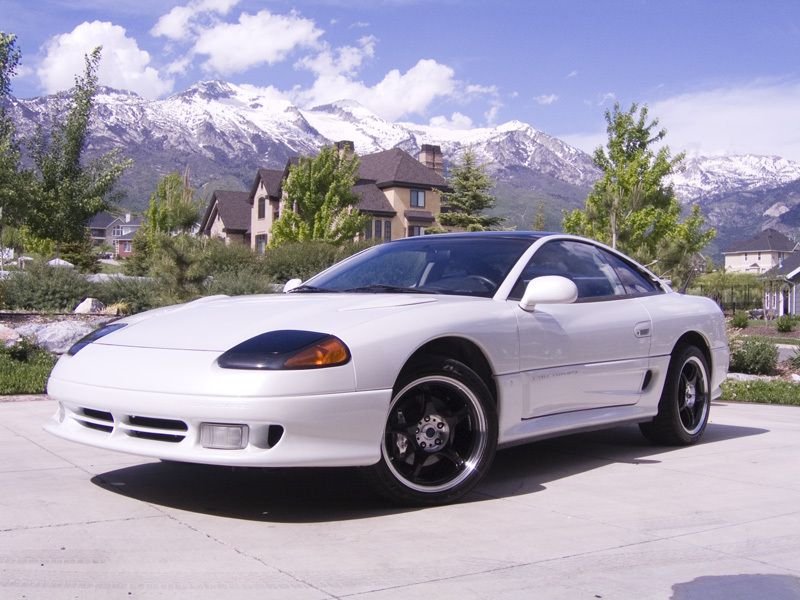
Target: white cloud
(263,38)
(759,117)
(123,65)
(457,121)
(181,22)
(396,95)
(545,99)
(572,74)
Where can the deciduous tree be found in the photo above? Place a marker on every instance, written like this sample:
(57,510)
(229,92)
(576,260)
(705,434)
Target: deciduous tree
(633,207)
(320,202)
(70,191)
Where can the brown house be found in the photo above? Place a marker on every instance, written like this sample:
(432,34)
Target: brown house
(228,217)
(401,194)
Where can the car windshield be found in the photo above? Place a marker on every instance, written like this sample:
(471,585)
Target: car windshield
(440,264)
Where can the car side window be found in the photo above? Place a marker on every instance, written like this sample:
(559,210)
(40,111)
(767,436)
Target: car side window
(635,281)
(584,264)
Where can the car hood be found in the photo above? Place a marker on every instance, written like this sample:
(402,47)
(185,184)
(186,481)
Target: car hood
(219,323)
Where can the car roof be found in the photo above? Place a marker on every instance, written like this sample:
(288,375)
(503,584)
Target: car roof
(530,236)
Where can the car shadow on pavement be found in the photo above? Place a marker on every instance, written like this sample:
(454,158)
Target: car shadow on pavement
(307,495)
(530,467)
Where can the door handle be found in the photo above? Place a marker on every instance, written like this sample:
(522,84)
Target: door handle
(642,330)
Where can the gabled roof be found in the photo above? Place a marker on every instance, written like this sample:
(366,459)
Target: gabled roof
(789,267)
(397,167)
(373,200)
(101,220)
(768,240)
(232,207)
(273,182)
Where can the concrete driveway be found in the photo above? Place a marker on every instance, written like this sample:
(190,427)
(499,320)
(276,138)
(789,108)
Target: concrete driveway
(598,515)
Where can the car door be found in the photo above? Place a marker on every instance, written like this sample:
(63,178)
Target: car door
(589,354)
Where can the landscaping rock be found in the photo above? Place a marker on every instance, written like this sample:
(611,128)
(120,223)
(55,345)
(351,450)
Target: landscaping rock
(90,306)
(8,335)
(57,337)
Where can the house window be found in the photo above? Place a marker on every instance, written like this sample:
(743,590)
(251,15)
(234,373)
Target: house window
(276,214)
(759,256)
(261,243)
(126,246)
(368,233)
(378,229)
(745,256)
(418,198)
(262,207)
(387,230)
(117,231)
(415,230)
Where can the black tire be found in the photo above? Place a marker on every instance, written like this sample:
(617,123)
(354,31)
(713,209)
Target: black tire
(685,401)
(440,436)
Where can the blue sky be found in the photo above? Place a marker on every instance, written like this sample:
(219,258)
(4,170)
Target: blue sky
(722,76)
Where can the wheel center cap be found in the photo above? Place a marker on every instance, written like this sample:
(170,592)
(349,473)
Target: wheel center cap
(690,395)
(432,433)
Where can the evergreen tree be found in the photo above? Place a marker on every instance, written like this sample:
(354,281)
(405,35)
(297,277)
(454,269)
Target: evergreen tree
(470,196)
(632,207)
(320,202)
(70,192)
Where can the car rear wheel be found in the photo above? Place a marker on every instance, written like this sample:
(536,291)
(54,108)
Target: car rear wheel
(440,435)
(685,402)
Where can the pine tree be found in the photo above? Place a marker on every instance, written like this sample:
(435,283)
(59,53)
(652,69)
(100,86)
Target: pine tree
(470,196)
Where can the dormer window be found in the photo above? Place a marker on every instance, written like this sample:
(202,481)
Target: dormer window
(418,198)
(262,207)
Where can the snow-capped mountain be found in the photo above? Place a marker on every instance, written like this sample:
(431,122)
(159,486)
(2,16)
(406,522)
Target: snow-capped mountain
(706,176)
(225,132)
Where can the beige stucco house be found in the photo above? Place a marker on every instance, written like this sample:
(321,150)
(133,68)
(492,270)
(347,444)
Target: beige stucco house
(760,253)
(401,194)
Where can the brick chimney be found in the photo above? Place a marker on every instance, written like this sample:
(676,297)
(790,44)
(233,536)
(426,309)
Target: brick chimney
(431,157)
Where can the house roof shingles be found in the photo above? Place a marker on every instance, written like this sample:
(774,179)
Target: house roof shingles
(232,207)
(396,167)
(768,240)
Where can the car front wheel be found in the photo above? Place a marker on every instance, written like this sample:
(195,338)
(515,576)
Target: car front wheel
(440,435)
(685,402)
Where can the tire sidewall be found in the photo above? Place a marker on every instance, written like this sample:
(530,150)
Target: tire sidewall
(392,485)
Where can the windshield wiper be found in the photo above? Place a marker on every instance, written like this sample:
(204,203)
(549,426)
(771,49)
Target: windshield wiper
(312,289)
(382,288)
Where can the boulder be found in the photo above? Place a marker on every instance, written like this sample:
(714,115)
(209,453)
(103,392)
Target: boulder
(89,306)
(8,335)
(57,337)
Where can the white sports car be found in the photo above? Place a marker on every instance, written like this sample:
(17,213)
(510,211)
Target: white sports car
(416,358)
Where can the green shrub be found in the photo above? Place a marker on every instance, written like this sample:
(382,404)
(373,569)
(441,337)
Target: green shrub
(24,368)
(753,356)
(740,320)
(784,323)
(44,288)
(138,293)
(767,392)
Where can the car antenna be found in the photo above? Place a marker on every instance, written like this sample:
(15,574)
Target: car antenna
(688,280)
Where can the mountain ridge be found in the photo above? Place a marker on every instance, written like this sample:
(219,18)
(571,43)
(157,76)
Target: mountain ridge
(225,132)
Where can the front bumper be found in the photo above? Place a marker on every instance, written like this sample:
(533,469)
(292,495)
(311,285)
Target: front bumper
(338,429)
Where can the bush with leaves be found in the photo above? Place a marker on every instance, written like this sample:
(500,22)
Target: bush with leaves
(753,356)
(44,288)
(740,320)
(24,368)
(785,323)
(303,259)
(138,293)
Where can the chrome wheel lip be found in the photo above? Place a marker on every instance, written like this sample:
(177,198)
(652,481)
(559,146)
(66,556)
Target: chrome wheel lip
(480,431)
(696,396)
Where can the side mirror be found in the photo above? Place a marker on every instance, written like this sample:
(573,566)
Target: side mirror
(548,289)
(291,284)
